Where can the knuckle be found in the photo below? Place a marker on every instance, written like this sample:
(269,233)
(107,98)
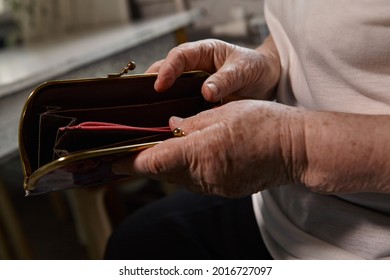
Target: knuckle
(209,166)
(193,123)
(227,78)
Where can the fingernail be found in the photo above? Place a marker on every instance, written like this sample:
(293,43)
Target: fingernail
(175,122)
(213,89)
(157,85)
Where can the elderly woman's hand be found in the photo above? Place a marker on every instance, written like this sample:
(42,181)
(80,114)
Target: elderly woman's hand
(235,70)
(233,150)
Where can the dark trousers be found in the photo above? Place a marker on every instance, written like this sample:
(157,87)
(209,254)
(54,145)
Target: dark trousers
(190,226)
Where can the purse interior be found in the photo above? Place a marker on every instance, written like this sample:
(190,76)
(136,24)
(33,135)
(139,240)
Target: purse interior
(128,101)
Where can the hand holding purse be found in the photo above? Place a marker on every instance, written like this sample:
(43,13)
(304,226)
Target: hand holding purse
(71,131)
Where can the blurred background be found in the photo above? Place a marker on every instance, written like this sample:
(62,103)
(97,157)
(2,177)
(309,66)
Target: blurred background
(43,40)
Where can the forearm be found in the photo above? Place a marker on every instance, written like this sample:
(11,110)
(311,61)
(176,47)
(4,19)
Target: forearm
(346,153)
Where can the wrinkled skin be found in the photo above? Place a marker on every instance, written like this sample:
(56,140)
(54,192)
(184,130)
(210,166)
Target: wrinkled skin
(235,70)
(236,149)
(247,146)
(222,153)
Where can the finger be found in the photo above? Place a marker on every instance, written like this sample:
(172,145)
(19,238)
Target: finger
(196,123)
(155,67)
(165,158)
(173,161)
(224,82)
(189,56)
(168,156)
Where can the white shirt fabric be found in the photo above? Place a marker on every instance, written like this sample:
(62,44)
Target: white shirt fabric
(335,56)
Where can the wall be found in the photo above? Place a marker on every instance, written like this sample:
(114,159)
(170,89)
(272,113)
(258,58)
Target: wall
(46,20)
(222,11)
(216,11)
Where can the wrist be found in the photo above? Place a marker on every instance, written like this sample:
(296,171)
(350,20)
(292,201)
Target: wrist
(271,65)
(346,153)
(293,144)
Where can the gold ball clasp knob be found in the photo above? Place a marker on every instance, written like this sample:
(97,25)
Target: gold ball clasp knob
(178,132)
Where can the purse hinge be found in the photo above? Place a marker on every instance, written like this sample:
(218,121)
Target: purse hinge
(129,67)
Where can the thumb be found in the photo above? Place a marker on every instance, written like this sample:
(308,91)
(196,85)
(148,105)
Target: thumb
(170,155)
(164,158)
(195,123)
(222,83)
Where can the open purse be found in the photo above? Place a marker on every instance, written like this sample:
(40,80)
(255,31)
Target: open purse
(71,131)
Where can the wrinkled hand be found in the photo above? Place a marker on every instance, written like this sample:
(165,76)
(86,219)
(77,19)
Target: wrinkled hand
(235,70)
(233,150)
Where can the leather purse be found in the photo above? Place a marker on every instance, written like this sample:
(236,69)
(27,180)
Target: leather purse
(71,131)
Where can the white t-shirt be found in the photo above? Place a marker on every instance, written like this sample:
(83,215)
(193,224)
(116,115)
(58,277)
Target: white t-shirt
(335,56)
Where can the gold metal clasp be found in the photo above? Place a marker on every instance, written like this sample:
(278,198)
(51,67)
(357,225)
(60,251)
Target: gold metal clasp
(130,66)
(178,132)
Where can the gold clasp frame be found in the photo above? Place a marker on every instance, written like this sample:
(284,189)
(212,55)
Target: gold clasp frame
(130,66)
